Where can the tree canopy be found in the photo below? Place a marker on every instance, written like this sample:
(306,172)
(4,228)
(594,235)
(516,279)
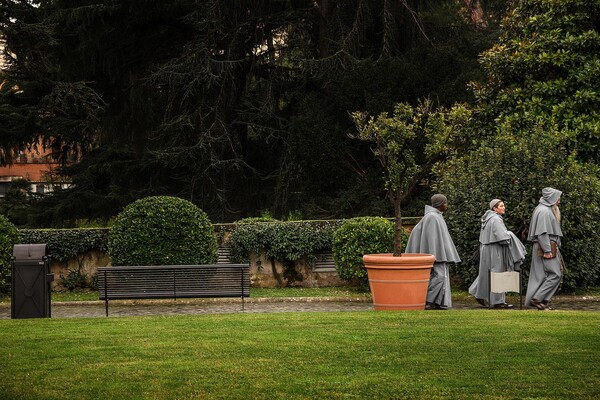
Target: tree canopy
(545,71)
(235,106)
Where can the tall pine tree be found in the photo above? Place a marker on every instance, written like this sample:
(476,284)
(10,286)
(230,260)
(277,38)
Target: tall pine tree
(237,106)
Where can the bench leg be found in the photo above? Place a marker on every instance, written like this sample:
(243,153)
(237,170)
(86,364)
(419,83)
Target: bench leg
(242,276)
(105,294)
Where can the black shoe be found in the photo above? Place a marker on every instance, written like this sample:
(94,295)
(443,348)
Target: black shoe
(538,304)
(432,306)
(503,305)
(482,302)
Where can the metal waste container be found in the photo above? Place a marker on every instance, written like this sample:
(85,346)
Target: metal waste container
(31,279)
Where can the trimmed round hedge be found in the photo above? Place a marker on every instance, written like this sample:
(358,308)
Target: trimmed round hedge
(357,237)
(9,235)
(162,230)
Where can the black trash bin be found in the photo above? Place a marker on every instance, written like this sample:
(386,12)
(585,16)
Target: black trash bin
(31,279)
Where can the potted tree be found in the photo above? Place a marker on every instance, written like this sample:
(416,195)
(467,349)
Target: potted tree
(407,144)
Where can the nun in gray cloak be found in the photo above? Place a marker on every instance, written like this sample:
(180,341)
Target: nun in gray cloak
(431,236)
(499,251)
(545,233)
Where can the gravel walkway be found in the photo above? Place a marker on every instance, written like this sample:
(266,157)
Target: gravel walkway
(262,305)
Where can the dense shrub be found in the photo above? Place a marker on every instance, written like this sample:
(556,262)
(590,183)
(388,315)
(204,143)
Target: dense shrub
(285,241)
(544,70)
(8,237)
(74,279)
(251,220)
(162,230)
(357,237)
(67,244)
(515,169)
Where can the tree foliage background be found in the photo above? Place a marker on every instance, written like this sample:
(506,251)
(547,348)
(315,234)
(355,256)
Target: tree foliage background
(237,106)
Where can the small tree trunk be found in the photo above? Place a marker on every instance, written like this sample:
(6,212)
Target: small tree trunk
(398,227)
(323,6)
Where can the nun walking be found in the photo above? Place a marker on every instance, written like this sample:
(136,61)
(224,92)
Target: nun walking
(546,262)
(499,251)
(431,236)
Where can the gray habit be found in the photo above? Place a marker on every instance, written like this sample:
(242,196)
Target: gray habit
(431,236)
(499,251)
(545,274)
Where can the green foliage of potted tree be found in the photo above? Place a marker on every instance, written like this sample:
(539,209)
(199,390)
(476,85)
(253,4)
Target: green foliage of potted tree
(407,144)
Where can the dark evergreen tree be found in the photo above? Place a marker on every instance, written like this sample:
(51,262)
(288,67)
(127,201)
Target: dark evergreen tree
(237,106)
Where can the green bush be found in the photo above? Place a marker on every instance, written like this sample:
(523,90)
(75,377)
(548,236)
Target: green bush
(67,244)
(9,235)
(162,230)
(285,241)
(74,279)
(251,220)
(357,237)
(247,236)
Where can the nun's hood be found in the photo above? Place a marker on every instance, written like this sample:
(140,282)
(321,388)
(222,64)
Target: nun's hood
(550,196)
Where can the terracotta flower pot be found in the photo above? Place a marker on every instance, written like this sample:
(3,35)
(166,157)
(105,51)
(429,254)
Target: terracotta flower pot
(399,283)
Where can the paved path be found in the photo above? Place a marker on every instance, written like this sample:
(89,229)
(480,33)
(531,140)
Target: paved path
(212,306)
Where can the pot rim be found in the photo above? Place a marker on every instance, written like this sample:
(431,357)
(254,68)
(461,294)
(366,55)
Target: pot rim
(407,260)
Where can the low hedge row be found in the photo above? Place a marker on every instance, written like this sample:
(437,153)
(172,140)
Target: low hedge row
(277,240)
(66,244)
(280,240)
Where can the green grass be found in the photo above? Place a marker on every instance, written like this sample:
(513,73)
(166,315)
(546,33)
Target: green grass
(363,355)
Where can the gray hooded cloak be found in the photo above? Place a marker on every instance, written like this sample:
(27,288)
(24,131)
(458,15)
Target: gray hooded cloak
(431,236)
(545,274)
(499,251)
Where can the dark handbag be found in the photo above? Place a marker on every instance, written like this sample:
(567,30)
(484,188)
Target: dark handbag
(553,250)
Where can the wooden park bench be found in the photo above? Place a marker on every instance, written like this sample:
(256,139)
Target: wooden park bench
(173,281)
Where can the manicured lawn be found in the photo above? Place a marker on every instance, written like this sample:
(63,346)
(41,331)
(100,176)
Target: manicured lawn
(365,355)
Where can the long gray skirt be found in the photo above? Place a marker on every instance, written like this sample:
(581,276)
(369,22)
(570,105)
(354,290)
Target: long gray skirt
(544,277)
(438,291)
(492,257)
